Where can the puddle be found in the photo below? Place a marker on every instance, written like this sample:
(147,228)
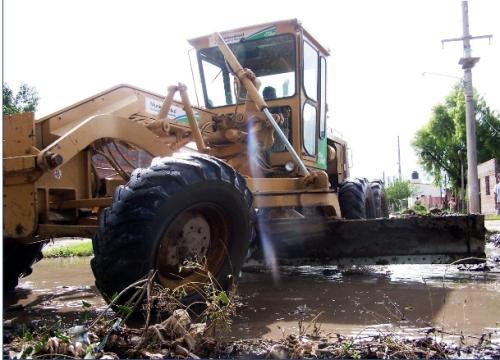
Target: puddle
(361,304)
(405,299)
(57,286)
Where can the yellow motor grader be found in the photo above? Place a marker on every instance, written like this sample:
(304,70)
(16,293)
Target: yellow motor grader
(253,173)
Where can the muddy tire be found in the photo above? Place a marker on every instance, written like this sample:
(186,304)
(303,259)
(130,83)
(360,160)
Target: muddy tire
(379,199)
(356,199)
(177,209)
(17,260)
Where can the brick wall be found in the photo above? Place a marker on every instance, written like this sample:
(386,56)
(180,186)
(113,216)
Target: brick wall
(487,173)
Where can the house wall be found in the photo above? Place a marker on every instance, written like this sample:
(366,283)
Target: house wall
(428,195)
(487,173)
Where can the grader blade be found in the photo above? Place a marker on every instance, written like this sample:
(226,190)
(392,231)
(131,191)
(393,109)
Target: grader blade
(412,240)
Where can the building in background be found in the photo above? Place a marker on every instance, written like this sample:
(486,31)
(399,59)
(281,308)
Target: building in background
(428,194)
(487,173)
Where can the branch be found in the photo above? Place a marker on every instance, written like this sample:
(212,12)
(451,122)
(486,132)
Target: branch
(440,162)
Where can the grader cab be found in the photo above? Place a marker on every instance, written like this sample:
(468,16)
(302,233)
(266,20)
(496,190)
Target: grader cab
(157,181)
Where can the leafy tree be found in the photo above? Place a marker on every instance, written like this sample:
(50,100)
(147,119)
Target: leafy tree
(398,193)
(441,143)
(25,100)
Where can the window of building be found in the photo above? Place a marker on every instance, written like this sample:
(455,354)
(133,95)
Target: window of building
(487,185)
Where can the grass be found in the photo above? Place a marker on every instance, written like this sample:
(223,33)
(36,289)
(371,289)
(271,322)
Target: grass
(82,248)
(492,217)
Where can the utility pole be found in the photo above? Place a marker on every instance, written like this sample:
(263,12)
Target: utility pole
(399,160)
(468,62)
(462,186)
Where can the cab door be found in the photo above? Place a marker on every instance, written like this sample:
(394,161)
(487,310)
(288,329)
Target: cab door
(314,142)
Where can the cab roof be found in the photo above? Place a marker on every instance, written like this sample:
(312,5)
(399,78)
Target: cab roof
(257,31)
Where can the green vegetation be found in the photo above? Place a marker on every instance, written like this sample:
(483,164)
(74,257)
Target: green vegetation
(492,217)
(441,143)
(420,209)
(25,100)
(398,193)
(82,248)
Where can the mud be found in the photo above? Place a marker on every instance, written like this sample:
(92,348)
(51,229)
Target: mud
(400,299)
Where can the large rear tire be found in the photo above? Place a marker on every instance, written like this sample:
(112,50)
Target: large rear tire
(379,199)
(356,199)
(180,208)
(18,260)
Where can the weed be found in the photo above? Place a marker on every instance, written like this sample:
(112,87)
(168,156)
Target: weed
(82,248)
(346,346)
(420,209)
(85,314)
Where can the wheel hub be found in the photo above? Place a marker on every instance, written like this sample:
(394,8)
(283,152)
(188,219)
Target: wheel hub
(191,242)
(198,235)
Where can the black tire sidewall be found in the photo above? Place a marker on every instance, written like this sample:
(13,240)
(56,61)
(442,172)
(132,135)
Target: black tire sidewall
(132,230)
(370,204)
(377,198)
(380,199)
(353,199)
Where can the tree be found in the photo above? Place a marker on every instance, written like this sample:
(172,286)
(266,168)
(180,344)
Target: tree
(398,193)
(25,100)
(441,143)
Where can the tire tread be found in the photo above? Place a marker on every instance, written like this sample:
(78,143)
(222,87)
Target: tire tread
(121,242)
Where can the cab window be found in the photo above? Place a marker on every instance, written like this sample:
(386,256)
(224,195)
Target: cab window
(322,102)
(215,79)
(310,108)
(310,72)
(272,59)
(309,128)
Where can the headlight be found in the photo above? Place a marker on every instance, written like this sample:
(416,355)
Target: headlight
(289,166)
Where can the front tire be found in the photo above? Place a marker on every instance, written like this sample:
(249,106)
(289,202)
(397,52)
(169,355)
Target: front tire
(180,208)
(356,199)
(379,199)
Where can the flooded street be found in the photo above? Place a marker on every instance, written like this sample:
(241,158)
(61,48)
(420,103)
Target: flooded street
(399,298)
(357,301)
(57,286)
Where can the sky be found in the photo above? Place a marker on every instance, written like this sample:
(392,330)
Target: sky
(72,49)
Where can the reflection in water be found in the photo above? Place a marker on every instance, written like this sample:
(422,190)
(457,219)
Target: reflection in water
(268,250)
(266,246)
(57,286)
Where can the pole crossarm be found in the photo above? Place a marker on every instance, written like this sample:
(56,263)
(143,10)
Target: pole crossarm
(489,36)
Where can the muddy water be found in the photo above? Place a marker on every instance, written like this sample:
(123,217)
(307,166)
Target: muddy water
(400,298)
(56,287)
